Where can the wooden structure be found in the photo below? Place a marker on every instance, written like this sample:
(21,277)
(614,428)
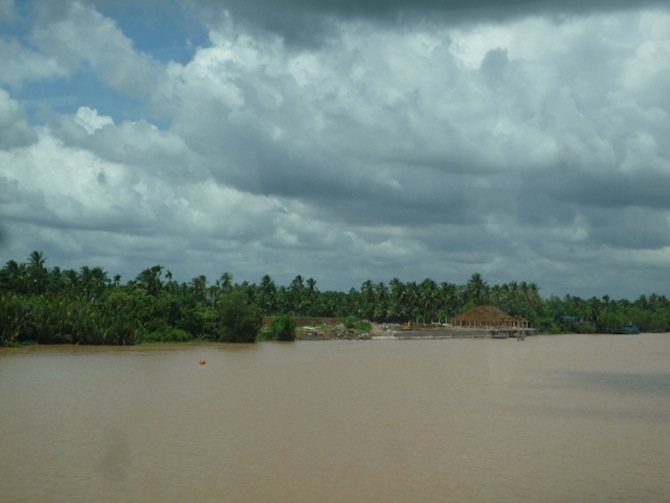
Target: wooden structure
(500,324)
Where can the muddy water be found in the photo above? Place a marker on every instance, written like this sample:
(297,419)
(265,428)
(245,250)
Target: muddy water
(565,418)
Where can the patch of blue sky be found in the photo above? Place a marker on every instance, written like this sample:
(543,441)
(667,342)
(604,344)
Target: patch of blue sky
(83,89)
(19,27)
(163,30)
(166,30)
(19,21)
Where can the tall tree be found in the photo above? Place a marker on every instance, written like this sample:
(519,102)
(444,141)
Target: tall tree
(150,280)
(198,288)
(296,295)
(311,297)
(226,282)
(476,290)
(37,273)
(268,295)
(13,277)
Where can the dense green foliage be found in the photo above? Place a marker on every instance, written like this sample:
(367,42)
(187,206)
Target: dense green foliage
(50,305)
(353,324)
(281,328)
(240,320)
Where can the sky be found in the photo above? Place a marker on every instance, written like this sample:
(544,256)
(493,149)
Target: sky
(341,140)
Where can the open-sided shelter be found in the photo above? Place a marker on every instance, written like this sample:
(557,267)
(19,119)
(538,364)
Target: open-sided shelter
(489,317)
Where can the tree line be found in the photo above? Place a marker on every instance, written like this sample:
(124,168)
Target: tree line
(50,305)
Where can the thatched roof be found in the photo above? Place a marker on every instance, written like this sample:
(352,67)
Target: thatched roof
(487,316)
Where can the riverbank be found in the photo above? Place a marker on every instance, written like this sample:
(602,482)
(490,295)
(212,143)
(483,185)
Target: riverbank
(384,331)
(336,332)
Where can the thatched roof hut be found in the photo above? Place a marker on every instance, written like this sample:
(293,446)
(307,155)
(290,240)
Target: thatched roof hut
(489,317)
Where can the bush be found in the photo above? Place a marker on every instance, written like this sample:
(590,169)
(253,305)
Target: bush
(281,328)
(352,324)
(11,315)
(238,320)
(578,326)
(167,335)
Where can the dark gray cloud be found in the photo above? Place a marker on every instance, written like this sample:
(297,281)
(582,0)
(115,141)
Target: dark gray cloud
(390,9)
(608,189)
(311,21)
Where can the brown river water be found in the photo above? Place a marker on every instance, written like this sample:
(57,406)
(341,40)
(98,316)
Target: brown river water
(574,418)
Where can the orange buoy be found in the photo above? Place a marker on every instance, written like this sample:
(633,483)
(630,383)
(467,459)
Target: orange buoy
(203,361)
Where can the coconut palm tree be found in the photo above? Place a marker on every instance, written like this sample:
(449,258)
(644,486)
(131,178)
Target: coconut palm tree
(367,300)
(150,280)
(13,277)
(429,300)
(311,296)
(449,298)
(268,295)
(36,273)
(198,288)
(477,290)
(226,282)
(296,295)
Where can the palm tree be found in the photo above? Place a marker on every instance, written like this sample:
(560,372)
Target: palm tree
(296,294)
(533,295)
(93,281)
(367,300)
(199,288)
(150,280)
(212,295)
(397,310)
(529,294)
(592,310)
(71,280)
(311,296)
(37,273)
(13,277)
(226,282)
(267,295)
(36,260)
(413,310)
(476,290)
(429,300)
(497,295)
(449,298)
(381,302)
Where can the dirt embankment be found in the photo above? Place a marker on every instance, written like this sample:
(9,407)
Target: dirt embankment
(340,332)
(337,332)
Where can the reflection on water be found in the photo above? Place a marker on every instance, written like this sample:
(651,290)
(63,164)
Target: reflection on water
(615,382)
(115,455)
(569,418)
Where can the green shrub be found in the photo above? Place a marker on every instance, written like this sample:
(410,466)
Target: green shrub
(353,324)
(11,315)
(239,321)
(281,328)
(168,335)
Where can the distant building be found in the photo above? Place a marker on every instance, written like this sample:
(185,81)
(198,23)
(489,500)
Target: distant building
(489,317)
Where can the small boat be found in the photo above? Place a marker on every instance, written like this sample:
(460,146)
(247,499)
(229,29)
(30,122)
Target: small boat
(631,329)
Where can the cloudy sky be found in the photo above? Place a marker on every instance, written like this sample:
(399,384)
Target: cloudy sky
(341,140)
